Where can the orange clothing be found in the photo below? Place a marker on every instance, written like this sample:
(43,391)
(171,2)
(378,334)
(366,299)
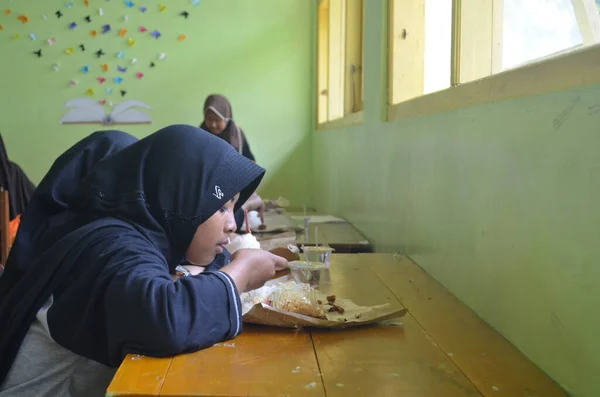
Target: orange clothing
(13,226)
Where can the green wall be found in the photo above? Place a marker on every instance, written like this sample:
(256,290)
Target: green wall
(494,201)
(258,53)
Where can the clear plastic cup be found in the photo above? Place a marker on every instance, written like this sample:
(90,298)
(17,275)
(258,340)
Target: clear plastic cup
(319,253)
(307,272)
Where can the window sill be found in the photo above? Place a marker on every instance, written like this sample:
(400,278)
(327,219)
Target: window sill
(574,69)
(348,120)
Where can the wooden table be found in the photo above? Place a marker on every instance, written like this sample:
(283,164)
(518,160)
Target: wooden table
(342,236)
(439,349)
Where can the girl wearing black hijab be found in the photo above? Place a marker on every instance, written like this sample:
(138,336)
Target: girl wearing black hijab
(53,193)
(14,179)
(99,282)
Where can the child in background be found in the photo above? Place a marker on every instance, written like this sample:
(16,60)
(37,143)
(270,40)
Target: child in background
(218,120)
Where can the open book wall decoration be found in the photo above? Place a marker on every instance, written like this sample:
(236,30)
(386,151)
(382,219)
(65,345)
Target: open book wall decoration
(88,111)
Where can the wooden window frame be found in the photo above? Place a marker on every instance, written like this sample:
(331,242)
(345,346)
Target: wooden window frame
(339,63)
(471,86)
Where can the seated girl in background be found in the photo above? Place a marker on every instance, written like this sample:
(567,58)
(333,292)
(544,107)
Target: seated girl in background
(98,284)
(218,120)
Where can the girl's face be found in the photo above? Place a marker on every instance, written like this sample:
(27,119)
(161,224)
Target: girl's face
(212,235)
(214,122)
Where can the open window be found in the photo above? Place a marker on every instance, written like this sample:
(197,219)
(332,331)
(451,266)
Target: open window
(439,45)
(339,59)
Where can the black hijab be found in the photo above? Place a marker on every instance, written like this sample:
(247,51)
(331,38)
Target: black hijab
(14,179)
(53,194)
(106,260)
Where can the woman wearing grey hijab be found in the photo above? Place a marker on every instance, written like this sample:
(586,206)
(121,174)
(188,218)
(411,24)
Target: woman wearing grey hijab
(218,120)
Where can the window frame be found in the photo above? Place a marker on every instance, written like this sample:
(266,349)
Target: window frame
(339,91)
(566,69)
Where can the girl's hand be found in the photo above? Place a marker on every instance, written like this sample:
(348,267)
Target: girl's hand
(251,268)
(255,203)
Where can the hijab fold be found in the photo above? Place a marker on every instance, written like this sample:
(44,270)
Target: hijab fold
(53,194)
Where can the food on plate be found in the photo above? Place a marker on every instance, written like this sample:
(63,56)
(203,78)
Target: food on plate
(292,297)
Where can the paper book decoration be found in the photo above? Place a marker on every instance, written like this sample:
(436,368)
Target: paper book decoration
(88,111)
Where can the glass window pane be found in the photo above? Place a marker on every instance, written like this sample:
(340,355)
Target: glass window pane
(438,45)
(537,28)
